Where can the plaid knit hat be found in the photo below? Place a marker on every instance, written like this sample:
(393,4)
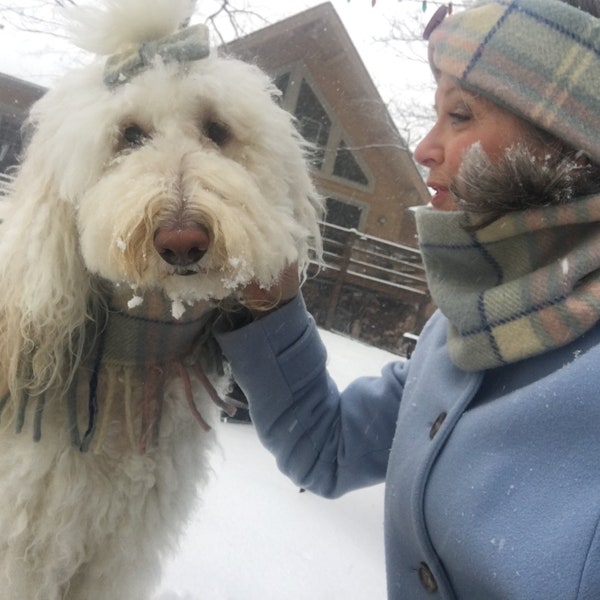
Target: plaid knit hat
(540,59)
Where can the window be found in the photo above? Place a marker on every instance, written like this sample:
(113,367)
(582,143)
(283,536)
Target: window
(10,142)
(282,82)
(346,166)
(343,214)
(318,125)
(314,122)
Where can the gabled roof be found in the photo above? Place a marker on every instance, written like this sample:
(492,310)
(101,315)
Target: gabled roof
(318,34)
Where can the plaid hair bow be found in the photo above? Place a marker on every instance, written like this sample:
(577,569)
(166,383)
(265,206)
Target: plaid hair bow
(189,44)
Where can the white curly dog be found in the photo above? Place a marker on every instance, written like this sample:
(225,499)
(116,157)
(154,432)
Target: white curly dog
(158,182)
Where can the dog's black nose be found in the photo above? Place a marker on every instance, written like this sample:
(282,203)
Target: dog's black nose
(182,246)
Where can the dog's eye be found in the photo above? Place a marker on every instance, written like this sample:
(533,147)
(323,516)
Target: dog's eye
(216,132)
(134,135)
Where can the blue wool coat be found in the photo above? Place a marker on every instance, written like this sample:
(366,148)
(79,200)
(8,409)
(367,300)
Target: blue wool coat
(492,479)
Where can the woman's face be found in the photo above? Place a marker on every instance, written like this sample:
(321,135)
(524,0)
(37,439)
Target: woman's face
(463,119)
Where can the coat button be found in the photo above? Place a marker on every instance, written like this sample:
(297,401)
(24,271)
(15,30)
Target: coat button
(427,579)
(436,426)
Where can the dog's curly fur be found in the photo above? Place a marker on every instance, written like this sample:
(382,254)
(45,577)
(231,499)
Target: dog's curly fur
(199,144)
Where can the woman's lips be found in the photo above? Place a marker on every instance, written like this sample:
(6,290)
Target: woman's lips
(441,198)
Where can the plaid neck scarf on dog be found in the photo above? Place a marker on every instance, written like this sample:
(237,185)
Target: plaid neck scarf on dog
(538,58)
(525,284)
(140,348)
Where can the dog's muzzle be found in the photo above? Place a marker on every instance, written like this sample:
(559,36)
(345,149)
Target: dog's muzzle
(182,247)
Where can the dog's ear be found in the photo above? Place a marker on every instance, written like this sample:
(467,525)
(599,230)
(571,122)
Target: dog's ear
(44,287)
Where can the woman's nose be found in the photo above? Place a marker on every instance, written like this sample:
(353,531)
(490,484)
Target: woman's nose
(429,152)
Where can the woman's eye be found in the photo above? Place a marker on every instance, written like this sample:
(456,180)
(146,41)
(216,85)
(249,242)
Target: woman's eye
(134,136)
(459,117)
(216,132)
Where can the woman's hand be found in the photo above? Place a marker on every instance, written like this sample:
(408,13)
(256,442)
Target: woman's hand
(261,301)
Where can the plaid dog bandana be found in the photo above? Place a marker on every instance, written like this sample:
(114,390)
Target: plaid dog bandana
(526,284)
(140,349)
(538,58)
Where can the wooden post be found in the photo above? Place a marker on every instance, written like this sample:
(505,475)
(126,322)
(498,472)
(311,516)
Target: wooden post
(421,318)
(341,276)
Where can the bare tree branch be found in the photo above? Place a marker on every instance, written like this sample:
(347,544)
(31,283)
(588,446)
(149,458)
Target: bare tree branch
(40,16)
(35,17)
(238,20)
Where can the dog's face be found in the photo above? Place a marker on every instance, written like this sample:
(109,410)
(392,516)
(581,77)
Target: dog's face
(189,178)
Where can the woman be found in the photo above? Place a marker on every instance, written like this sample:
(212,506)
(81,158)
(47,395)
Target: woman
(488,439)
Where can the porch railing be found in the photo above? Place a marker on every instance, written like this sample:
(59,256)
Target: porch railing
(354,258)
(5,181)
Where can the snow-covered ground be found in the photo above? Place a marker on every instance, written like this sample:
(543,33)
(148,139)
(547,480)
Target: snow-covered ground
(256,537)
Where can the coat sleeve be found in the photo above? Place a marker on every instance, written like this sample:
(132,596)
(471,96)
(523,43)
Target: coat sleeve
(324,440)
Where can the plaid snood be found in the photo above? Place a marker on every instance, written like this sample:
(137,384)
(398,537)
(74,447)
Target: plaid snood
(524,285)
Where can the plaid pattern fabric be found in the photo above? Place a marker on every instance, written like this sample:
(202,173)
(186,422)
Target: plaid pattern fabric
(538,58)
(148,334)
(138,350)
(526,284)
